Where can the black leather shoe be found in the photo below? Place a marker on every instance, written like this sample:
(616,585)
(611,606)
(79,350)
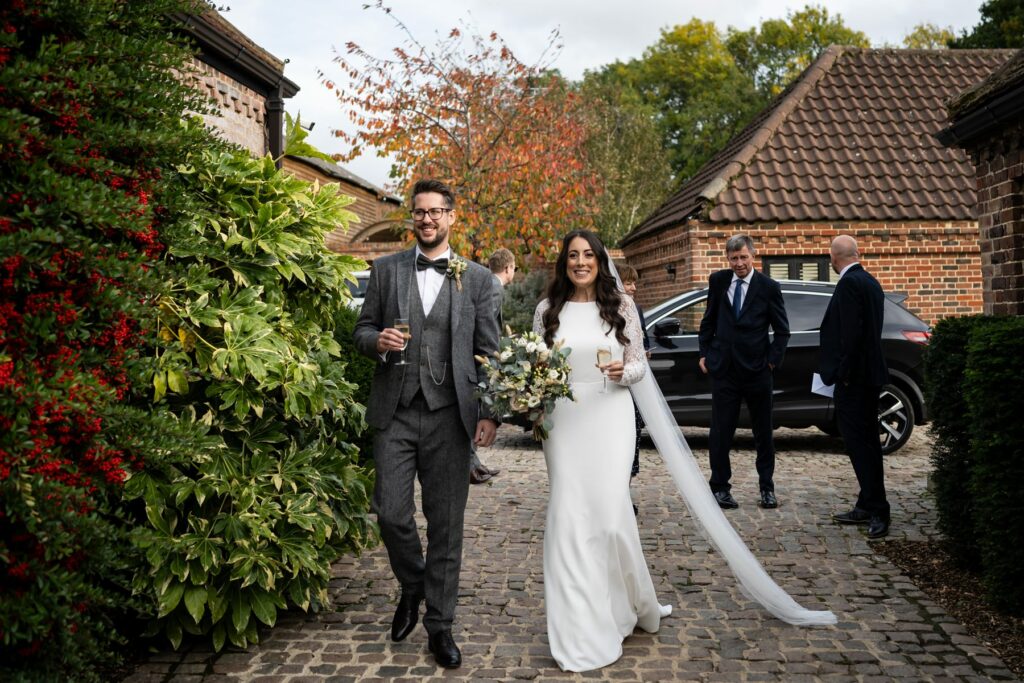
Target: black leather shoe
(478,475)
(406,615)
(725,500)
(854,516)
(878,527)
(768,499)
(446,652)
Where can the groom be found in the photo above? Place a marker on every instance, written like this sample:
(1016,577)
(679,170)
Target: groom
(425,412)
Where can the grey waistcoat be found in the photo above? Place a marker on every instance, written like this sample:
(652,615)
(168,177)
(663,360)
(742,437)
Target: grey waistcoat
(430,334)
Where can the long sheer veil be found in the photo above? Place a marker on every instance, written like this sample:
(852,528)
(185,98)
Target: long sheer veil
(678,458)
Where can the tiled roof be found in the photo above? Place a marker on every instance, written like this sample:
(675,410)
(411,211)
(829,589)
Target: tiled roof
(852,139)
(341,173)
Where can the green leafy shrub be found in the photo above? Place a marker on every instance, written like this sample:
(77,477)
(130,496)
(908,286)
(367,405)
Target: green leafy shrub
(521,299)
(995,362)
(945,362)
(89,118)
(359,371)
(250,523)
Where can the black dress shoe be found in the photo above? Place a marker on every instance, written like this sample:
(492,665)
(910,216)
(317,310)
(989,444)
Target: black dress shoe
(725,500)
(878,527)
(768,499)
(406,615)
(854,516)
(478,475)
(446,652)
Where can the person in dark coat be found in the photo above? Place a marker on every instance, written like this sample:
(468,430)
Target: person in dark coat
(851,360)
(502,264)
(736,350)
(630,277)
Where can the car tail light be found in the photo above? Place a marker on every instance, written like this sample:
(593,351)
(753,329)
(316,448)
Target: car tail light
(917,336)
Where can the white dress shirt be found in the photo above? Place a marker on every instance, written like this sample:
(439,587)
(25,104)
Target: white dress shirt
(430,281)
(843,271)
(732,287)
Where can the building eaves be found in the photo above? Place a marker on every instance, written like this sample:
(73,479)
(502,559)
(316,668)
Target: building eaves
(235,54)
(994,102)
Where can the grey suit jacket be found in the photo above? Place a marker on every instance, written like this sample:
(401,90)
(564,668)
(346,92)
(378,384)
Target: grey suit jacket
(474,331)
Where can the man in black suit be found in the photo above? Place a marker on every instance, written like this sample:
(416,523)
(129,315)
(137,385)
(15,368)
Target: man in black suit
(736,349)
(852,360)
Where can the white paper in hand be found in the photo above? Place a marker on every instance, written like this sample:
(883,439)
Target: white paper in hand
(819,387)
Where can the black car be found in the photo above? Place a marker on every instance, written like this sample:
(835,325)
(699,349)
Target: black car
(673,326)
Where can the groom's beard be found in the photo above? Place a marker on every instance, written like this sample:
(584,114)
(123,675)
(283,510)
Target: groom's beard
(440,237)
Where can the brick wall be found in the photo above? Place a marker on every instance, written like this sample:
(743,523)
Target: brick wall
(936,264)
(368,206)
(370,251)
(242,110)
(999,165)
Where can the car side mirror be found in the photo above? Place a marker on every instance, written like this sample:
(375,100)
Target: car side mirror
(669,327)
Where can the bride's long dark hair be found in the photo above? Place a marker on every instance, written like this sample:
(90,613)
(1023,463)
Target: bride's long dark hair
(562,288)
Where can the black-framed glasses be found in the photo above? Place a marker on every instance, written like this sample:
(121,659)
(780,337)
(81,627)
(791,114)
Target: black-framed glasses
(435,213)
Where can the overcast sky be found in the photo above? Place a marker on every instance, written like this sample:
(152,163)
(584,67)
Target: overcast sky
(594,32)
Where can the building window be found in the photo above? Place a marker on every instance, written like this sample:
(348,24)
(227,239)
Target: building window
(806,268)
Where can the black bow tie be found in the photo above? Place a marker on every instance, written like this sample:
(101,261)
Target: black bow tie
(440,265)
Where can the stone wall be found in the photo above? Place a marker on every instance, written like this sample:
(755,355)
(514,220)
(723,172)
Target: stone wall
(376,215)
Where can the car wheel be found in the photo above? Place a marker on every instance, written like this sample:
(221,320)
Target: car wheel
(895,418)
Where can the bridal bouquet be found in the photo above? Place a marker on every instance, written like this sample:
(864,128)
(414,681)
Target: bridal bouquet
(526,377)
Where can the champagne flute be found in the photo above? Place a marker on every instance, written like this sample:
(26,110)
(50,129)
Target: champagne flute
(604,356)
(402,325)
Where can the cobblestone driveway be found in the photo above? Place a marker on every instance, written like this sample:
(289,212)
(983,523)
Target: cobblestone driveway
(888,629)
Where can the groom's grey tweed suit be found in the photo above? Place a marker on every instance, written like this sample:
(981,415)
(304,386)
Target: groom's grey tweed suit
(426,416)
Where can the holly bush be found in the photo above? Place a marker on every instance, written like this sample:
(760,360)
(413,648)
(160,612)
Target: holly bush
(247,352)
(89,119)
(172,410)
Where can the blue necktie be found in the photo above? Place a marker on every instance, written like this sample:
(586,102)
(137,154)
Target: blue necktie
(737,298)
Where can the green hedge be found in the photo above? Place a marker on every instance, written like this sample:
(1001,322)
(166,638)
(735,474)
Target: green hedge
(973,368)
(945,362)
(521,298)
(995,366)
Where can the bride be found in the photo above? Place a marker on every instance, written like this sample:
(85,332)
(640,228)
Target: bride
(597,587)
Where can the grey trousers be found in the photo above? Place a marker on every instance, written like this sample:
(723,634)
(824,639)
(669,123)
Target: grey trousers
(433,447)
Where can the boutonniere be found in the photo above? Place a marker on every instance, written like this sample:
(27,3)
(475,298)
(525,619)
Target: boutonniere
(456,267)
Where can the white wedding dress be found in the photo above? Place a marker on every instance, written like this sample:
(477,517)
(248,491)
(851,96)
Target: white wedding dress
(597,587)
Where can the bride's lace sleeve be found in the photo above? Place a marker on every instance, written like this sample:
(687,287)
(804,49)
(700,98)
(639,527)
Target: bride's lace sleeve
(634,357)
(538,317)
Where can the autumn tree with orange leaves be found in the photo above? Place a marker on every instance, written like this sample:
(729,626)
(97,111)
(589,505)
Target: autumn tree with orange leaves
(507,136)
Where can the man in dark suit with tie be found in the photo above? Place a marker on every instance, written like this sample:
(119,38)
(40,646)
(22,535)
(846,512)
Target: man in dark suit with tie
(852,360)
(736,350)
(425,411)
